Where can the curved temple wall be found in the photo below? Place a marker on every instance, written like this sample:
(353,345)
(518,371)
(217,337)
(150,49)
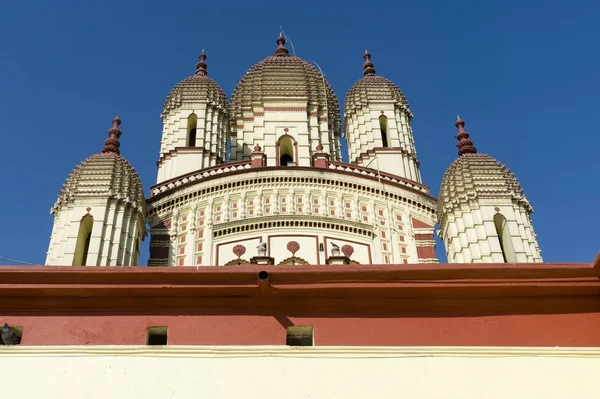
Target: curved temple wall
(199,222)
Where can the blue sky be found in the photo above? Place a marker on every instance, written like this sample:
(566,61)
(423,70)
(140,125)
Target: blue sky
(524,75)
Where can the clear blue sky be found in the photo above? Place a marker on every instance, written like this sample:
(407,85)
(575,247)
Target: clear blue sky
(524,75)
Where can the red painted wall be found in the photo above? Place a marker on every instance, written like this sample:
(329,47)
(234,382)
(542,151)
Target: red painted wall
(432,305)
(578,329)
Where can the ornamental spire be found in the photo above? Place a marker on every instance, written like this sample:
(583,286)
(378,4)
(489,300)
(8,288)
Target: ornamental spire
(465,146)
(111,145)
(368,67)
(281,50)
(201,65)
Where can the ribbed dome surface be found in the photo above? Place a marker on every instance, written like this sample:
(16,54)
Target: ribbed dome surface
(195,88)
(374,88)
(474,176)
(103,175)
(284,76)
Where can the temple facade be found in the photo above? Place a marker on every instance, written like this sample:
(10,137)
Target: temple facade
(259,178)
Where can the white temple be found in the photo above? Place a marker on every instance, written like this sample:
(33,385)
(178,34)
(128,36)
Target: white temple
(260,179)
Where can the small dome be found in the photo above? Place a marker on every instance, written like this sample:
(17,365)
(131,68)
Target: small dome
(373,88)
(281,76)
(103,175)
(198,87)
(477,176)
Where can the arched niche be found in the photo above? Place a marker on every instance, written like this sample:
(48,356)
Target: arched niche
(84,237)
(191,130)
(383,126)
(506,245)
(287,151)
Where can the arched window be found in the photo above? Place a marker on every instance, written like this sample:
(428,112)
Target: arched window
(191,130)
(83,241)
(383,127)
(286,147)
(508,251)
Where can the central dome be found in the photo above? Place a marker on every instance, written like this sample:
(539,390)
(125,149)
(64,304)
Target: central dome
(284,76)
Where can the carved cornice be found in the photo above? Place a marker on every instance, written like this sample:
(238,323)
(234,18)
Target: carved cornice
(286,178)
(292,221)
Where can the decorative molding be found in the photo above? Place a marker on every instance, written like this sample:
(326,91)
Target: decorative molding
(279,351)
(284,221)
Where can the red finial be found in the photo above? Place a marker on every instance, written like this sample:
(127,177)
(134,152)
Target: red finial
(465,146)
(281,50)
(368,67)
(201,65)
(111,145)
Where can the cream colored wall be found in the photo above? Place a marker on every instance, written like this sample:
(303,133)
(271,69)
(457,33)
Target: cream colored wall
(211,132)
(310,372)
(266,123)
(470,235)
(363,133)
(115,230)
(308,240)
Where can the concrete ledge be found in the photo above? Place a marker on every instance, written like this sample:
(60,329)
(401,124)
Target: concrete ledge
(300,352)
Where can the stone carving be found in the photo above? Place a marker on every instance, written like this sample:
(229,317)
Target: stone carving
(294,260)
(239,250)
(262,249)
(293,247)
(335,249)
(348,250)
(237,262)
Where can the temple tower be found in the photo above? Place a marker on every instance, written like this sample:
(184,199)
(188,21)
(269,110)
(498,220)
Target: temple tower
(99,216)
(284,105)
(195,125)
(377,126)
(483,215)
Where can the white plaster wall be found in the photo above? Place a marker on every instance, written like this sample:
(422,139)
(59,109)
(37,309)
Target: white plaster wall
(317,372)
(309,247)
(266,123)
(363,133)
(211,131)
(224,249)
(115,230)
(185,160)
(308,239)
(470,235)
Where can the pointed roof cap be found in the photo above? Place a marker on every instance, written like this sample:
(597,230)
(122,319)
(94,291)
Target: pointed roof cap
(112,143)
(281,50)
(368,67)
(465,146)
(201,65)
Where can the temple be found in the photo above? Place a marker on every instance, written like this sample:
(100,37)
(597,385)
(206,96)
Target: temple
(277,268)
